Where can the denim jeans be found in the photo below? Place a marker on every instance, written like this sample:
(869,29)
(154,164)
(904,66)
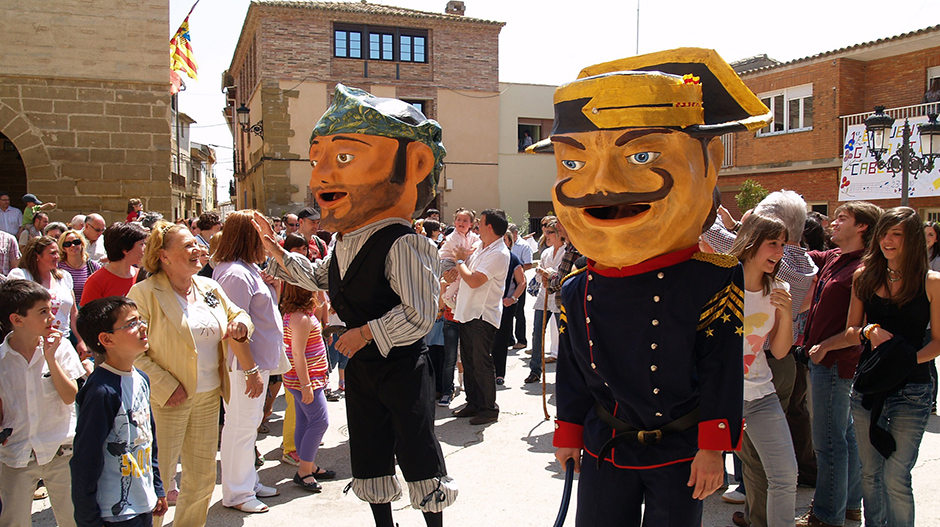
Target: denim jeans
(770,436)
(451,339)
(838,485)
(886,483)
(535,363)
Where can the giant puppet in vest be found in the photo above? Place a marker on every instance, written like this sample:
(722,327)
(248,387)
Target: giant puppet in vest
(650,372)
(376,163)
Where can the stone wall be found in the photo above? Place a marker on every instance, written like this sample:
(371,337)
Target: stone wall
(90,145)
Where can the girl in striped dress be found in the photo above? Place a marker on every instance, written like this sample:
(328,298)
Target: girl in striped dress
(306,381)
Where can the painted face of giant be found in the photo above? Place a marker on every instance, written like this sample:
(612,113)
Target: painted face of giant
(629,195)
(355,179)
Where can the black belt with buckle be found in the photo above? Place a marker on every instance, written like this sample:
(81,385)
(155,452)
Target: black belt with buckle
(627,432)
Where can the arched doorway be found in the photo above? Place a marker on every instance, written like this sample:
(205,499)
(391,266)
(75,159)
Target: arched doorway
(12,172)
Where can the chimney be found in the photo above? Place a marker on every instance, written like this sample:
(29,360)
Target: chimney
(455,7)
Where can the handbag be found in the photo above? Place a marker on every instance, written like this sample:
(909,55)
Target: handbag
(534,285)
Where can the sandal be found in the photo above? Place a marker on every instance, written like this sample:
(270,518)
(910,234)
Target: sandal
(312,486)
(324,474)
(251,506)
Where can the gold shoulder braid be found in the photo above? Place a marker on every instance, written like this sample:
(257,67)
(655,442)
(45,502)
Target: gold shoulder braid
(573,274)
(721,260)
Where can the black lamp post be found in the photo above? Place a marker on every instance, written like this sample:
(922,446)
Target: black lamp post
(878,127)
(244,114)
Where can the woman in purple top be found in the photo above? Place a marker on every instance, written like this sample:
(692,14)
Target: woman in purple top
(236,270)
(74,260)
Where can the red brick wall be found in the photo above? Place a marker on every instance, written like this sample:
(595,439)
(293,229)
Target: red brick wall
(900,80)
(298,44)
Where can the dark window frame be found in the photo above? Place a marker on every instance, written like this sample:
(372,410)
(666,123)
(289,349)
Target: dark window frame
(388,50)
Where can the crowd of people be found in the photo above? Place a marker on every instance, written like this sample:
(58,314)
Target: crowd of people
(180,336)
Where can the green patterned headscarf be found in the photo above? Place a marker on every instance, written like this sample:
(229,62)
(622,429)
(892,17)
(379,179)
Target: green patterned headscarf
(356,111)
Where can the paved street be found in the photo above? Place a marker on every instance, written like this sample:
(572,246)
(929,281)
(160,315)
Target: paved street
(506,471)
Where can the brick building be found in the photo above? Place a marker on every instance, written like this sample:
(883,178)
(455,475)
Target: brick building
(291,55)
(85,104)
(814,100)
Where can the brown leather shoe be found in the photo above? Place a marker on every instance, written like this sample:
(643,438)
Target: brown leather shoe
(739,519)
(854,515)
(466,411)
(810,520)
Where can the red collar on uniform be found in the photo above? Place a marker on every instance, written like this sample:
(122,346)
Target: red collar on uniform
(652,264)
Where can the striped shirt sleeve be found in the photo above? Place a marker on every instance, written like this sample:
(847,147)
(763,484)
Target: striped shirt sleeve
(413,270)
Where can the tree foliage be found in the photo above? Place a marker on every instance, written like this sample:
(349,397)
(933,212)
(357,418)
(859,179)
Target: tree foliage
(750,195)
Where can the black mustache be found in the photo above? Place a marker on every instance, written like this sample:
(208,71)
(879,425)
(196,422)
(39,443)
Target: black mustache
(613,199)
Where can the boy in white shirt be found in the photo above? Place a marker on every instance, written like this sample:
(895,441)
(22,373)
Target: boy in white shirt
(37,390)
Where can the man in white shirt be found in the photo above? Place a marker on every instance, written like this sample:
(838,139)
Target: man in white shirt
(10,217)
(479,309)
(94,226)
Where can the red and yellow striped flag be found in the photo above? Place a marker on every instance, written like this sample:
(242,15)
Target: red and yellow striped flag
(181,51)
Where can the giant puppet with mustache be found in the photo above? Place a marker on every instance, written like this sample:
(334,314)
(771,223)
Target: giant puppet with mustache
(375,163)
(650,375)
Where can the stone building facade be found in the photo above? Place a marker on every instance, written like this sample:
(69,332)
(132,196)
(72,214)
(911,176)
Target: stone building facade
(291,55)
(85,104)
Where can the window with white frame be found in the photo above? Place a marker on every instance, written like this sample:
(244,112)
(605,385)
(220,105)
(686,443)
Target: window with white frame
(792,109)
(933,79)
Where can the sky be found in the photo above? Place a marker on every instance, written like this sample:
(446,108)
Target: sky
(549,41)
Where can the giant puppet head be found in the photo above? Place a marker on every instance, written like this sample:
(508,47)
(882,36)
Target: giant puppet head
(637,146)
(373,158)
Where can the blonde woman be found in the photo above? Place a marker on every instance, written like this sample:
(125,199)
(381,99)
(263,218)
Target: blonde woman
(189,320)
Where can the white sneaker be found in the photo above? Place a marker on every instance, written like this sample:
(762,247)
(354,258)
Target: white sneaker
(266,492)
(732,496)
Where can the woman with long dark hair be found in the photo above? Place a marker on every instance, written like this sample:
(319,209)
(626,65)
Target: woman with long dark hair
(891,305)
(768,317)
(932,233)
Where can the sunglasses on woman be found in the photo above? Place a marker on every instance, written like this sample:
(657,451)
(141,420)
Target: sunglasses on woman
(66,245)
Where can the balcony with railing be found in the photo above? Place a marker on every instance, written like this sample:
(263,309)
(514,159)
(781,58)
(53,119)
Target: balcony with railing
(899,113)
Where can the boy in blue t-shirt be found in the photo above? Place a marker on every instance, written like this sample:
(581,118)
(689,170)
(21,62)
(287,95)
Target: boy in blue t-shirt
(115,477)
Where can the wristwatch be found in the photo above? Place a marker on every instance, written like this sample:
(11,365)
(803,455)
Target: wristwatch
(459,262)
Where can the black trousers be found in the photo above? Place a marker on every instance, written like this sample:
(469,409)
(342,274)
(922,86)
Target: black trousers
(479,373)
(390,412)
(519,313)
(501,340)
(611,496)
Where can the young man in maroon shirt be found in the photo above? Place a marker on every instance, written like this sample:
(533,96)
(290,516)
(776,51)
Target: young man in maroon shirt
(838,485)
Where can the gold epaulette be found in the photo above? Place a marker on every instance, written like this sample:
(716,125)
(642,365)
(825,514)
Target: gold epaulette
(721,260)
(573,274)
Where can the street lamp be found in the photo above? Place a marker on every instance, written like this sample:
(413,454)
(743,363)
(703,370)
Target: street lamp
(244,114)
(878,127)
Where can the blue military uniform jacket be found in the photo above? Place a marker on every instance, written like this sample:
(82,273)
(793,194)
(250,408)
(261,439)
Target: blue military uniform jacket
(651,343)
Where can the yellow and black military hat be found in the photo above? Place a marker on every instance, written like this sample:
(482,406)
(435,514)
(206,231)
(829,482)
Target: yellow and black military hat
(691,89)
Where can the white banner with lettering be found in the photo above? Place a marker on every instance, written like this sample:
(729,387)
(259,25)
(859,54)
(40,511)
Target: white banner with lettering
(862,179)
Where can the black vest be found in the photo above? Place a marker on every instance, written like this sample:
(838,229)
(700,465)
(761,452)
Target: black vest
(364,293)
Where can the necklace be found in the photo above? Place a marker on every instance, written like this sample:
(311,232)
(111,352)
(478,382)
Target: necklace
(893,276)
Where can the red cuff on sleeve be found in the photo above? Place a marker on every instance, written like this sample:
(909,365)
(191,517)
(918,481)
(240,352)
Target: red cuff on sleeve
(568,435)
(716,435)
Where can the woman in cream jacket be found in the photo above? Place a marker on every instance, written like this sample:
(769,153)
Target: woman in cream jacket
(189,320)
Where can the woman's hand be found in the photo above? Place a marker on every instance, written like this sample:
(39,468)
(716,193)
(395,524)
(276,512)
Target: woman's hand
(306,394)
(161,507)
(237,330)
(254,385)
(817,353)
(178,397)
(450,276)
(781,299)
(879,336)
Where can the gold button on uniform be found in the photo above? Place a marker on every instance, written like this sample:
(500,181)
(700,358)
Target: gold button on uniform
(722,426)
(593,366)
(658,414)
(588,320)
(654,367)
(654,345)
(660,275)
(656,298)
(655,391)
(589,298)
(655,322)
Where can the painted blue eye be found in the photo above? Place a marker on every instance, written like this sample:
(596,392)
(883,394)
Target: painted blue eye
(642,158)
(572,165)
